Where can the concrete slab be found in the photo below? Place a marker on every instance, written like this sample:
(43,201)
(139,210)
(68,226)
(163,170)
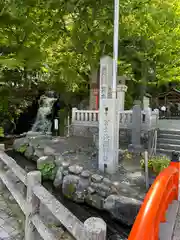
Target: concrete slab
(169,124)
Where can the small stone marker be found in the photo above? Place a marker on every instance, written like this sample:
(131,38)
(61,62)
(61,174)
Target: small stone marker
(95,229)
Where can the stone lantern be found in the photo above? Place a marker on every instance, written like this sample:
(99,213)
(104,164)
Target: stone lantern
(121,90)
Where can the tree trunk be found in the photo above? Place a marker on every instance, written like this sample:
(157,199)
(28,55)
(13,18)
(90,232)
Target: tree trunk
(94,79)
(143,83)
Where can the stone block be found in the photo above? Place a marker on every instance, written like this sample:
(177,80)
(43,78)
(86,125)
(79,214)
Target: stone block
(45,159)
(96,178)
(47,167)
(75,169)
(29,152)
(58,178)
(90,190)
(95,200)
(65,172)
(69,186)
(59,160)
(122,208)
(75,187)
(103,190)
(49,151)
(39,152)
(20,144)
(86,174)
(107,182)
(65,165)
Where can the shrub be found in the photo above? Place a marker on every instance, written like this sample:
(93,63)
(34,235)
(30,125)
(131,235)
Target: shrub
(48,171)
(156,163)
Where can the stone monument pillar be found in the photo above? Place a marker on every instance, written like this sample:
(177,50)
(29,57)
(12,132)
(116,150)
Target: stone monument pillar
(135,145)
(105,78)
(108,121)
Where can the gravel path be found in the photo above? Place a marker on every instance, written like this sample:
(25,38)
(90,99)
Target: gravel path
(10,227)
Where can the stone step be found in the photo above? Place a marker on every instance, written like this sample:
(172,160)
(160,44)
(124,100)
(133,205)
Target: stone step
(169,136)
(167,228)
(165,151)
(169,141)
(167,146)
(170,131)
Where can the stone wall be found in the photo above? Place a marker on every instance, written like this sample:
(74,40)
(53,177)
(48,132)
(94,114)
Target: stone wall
(93,132)
(82,185)
(124,135)
(84,131)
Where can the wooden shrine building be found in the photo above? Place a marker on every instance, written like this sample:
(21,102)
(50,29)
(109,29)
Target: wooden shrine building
(171,100)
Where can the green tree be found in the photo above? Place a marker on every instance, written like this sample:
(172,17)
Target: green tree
(61,42)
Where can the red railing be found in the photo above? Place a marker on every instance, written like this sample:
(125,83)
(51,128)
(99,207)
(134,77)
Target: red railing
(152,212)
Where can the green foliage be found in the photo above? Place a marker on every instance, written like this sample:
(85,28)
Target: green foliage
(61,42)
(156,164)
(1,132)
(48,171)
(23,148)
(71,189)
(127,156)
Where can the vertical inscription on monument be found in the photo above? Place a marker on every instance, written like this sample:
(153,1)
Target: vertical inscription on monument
(104,75)
(103,82)
(106,140)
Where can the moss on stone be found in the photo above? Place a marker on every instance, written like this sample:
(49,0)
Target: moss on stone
(71,189)
(48,170)
(22,148)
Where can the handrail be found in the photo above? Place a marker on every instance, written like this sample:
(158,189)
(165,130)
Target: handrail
(153,209)
(148,121)
(37,194)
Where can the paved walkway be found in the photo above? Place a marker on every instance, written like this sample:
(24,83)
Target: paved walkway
(176,235)
(169,124)
(10,227)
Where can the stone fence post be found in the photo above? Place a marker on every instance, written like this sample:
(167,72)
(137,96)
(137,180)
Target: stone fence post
(2,166)
(148,120)
(2,147)
(95,229)
(136,126)
(156,111)
(73,114)
(32,204)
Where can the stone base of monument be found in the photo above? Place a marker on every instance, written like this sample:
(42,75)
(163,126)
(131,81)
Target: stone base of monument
(72,164)
(135,148)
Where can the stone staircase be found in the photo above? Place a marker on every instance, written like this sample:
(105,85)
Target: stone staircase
(168,141)
(169,229)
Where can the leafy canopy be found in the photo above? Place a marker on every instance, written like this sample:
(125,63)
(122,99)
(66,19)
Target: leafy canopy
(60,42)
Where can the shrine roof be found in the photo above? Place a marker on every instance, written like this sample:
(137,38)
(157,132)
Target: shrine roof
(172,90)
